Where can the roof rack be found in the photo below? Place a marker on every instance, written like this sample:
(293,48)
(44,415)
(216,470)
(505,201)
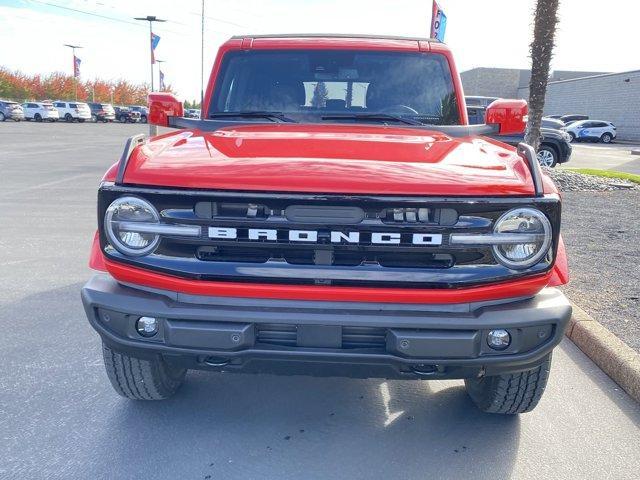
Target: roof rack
(336,35)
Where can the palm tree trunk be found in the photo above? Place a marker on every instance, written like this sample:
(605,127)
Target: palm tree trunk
(546,19)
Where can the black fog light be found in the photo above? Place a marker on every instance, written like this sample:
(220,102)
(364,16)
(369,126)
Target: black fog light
(147,326)
(498,339)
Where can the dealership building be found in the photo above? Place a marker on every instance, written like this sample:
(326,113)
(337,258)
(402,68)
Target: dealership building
(613,97)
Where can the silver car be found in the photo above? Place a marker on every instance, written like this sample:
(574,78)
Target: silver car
(11,110)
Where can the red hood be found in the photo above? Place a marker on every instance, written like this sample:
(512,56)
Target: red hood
(330,159)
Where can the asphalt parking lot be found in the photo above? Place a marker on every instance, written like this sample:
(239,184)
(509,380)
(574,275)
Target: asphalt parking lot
(615,156)
(59,417)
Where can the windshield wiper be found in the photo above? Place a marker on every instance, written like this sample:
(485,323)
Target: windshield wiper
(275,116)
(372,116)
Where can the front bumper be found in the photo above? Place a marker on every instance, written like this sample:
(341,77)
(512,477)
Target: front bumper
(565,154)
(328,338)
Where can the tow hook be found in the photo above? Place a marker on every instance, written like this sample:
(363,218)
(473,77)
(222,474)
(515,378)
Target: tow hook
(216,361)
(427,370)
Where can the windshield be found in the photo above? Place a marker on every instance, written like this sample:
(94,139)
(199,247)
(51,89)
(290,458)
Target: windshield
(310,85)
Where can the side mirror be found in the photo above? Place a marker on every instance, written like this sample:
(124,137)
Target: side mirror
(162,106)
(509,115)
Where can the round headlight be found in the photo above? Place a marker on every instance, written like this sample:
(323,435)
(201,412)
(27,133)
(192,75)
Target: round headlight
(534,228)
(120,221)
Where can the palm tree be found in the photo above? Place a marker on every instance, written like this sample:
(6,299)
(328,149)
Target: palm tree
(545,21)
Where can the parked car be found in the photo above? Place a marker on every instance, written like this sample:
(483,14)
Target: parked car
(548,122)
(72,111)
(142,110)
(192,113)
(557,117)
(476,114)
(102,112)
(567,119)
(593,130)
(11,110)
(40,111)
(554,145)
(479,101)
(126,115)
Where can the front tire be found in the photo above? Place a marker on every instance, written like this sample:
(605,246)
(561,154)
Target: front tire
(572,136)
(606,138)
(68,118)
(547,157)
(141,379)
(510,393)
(37,117)
(2,117)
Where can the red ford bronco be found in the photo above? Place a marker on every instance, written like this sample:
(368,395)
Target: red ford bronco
(331,213)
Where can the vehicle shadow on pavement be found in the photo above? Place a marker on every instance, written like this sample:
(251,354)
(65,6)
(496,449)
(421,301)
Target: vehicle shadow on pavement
(247,426)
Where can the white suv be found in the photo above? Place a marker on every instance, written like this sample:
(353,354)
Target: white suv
(595,130)
(40,111)
(72,111)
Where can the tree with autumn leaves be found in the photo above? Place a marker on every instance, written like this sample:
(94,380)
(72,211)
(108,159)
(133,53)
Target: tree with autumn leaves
(19,86)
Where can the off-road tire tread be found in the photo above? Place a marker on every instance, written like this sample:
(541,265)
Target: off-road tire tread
(141,379)
(510,393)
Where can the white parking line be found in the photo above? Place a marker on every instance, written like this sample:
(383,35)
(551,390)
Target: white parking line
(45,185)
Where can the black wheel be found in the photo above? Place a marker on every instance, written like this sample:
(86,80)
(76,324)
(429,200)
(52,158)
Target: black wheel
(81,120)
(547,156)
(510,393)
(141,379)
(37,117)
(606,138)
(572,136)
(2,117)
(68,117)
(143,119)
(94,118)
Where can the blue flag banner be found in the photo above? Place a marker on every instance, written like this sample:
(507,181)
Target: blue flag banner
(155,40)
(76,66)
(438,22)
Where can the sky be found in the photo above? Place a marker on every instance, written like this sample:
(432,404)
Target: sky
(592,35)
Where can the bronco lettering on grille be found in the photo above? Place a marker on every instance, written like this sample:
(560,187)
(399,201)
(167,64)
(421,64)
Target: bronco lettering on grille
(376,238)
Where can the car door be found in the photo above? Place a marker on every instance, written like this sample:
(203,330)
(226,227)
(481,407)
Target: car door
(32,108)
(599,128)
(584,130)
(60,106)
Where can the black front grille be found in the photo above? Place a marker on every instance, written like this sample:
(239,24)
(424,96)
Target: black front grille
(321,260)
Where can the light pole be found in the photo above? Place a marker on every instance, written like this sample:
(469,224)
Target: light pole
(75,79)
(153,130)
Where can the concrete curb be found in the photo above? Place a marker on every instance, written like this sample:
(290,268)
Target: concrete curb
(612,355)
